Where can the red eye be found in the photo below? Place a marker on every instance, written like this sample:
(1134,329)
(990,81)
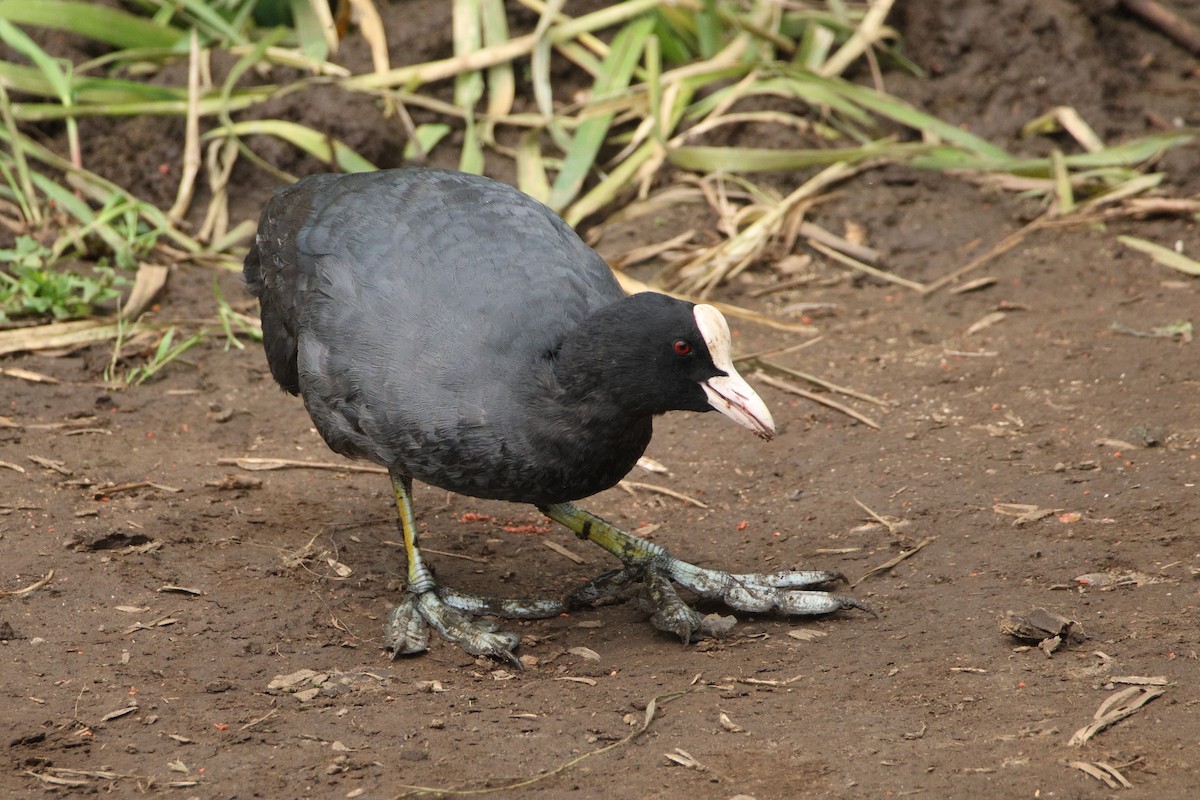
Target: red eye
(683,347)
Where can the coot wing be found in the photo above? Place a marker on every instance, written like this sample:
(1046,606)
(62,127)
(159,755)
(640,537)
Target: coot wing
(419,308)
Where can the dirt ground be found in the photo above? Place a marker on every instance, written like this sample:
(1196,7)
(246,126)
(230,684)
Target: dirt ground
(150,660)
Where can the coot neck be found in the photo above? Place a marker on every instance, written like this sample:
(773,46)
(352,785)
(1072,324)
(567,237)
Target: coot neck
(599,372)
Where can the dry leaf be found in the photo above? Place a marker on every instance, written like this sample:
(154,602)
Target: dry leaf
(120,712)
(1117,707)
(1102,771)
(576,679)
(987,321)
(297,678)
(685,759)
(650,465)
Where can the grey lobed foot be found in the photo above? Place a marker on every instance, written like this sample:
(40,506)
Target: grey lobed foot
(788,592)
(451,614)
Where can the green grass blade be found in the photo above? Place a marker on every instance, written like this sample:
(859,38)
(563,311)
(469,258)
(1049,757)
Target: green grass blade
(815,46)
(64,198)
(1128,154)
(208,106)
(102,23)
(22,184)
(708,29)
(501,81)
(468,86)
(622,59)
(897,110)
(606,190)
(311,28)
(48,66)
(425,137)
(677,41)
(1063,191)
(531,167)
(754,159)
(58,78)
(203,16)
(317,144)
(1163,255)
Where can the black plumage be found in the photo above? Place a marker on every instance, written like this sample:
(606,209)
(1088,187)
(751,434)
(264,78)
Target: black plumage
(458,332)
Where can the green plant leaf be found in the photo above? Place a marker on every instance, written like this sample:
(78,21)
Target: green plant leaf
(623,58)
(319,145)
(103,23)
(1163,255)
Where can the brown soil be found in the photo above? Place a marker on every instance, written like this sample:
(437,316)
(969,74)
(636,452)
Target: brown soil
(1051,407)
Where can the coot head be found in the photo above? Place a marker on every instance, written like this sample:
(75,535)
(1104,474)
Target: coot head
(650,353)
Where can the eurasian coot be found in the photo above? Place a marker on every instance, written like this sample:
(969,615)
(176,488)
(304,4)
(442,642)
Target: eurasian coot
(457,331)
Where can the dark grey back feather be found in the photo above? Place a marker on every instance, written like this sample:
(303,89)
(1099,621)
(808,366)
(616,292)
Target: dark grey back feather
(417,311)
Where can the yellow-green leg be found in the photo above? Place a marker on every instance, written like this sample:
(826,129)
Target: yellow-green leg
(788,592)
(450,612)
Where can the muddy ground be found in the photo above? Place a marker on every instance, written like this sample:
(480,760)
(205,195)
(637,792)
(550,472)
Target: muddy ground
(147,660)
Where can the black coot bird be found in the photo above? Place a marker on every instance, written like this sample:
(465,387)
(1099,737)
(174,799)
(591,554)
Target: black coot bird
(459,332)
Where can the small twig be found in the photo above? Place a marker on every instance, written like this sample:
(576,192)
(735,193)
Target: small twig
(868,32)
(463,556)
(874,272)
(816,398)
(639,254)
(763,682)
(262,464)
(887,565)
(1140,680)
(824,384)
(651,712)
(562,551)
(51,464)
(650,487)
(261,719)
(33,587)
(108,491)
(997,250)
(777,351)
(974,286)
(1174,26)
(783,286)
(191,138)
(891,526)
(28,375)
(814,232)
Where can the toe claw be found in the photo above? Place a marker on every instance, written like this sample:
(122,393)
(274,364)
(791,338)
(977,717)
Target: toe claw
(409,622)
(787,592)
(853,602)
(406,632)
(458,627)
(671,614)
